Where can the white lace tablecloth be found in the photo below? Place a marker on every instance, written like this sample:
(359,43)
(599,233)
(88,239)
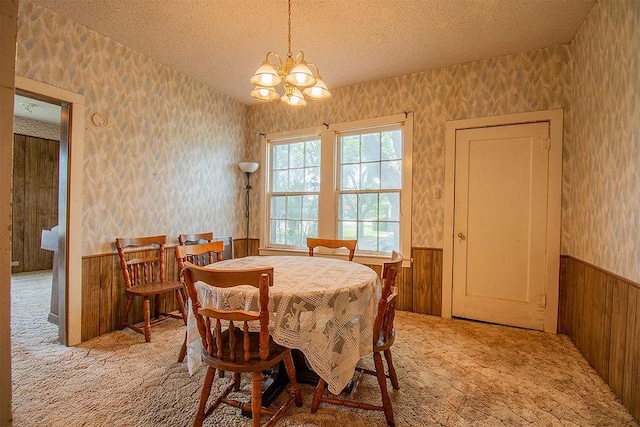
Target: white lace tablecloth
(321,306)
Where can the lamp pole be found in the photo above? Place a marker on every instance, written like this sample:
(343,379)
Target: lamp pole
(248,188)
(248,168)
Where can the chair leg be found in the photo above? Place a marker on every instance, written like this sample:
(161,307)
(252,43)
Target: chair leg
(146,312)
(236,380)
(256,398)
(204,396)
(392,371)
(293,382)
(183,349)
(127,309)
(318,396)
(382,381)
(181,305)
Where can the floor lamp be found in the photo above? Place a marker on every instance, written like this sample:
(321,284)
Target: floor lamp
(248,168)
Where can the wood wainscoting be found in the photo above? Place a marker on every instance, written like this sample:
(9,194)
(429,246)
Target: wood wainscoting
(600,312)
(420,285)
(103,295)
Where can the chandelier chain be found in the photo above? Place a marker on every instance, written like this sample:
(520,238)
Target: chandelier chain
(289,53)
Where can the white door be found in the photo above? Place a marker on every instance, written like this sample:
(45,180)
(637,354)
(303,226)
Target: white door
(500,224)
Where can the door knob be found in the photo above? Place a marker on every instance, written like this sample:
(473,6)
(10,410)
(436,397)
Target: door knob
(461,236)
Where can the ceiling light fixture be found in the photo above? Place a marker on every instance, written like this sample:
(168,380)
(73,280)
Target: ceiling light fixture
(28,106)
(298,79)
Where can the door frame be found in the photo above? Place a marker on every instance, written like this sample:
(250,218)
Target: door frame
(554,199)
(69,209)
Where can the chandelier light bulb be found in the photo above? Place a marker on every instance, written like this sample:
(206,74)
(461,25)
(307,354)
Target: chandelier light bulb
(267,79)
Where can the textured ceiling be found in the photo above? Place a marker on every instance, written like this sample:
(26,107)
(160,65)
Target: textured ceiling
(35,109)
(222,42)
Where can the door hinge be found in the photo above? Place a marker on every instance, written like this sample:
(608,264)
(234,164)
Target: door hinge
(545,143)
(542,301)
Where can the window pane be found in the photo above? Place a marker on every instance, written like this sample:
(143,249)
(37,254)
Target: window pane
(350,149)
(370,176)
(294,207)
(280,180)
(312,179)
(368,204)
(310,207)
(278,228)
(350,177)
(309,229)
(294,233)
(368,236)
(389,209)
(389,236)
(391,174)
(279,207)
(348,206)
(280,156)
(296,156)
(370,147)
(348,230)
(312,153)
(391,145)
(296,180)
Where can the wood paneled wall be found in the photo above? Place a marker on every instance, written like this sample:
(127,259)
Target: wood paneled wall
(600,312)
(35,200)
(103,295)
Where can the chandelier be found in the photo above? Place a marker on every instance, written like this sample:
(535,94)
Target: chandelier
(295,75)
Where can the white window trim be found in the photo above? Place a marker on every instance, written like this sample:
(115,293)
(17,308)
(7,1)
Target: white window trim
(328,195)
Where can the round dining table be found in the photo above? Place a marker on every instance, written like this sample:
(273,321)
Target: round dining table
(324,307)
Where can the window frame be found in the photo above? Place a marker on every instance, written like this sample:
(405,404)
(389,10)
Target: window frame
(329,173)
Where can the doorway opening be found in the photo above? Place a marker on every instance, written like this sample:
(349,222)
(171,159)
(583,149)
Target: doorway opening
(68,239)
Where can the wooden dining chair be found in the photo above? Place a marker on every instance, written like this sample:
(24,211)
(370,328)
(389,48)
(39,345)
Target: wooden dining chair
(144,276)
(236,349)
(383,337)
(201,255)
(196,238)
(395,262)
(313,243)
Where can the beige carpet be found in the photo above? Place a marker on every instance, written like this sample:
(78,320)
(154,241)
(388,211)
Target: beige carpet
(451,372)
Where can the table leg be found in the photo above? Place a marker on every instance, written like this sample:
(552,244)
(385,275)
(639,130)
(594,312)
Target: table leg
(277,379)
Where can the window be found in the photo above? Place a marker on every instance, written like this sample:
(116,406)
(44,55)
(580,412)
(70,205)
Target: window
(295,188)
(370,168)
(351,181)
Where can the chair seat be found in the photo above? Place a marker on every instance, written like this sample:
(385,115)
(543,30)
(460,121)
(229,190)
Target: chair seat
(255,363)
(155,288)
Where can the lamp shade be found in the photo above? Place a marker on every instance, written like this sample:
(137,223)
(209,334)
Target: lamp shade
(248,167)
(301,75)
(266,75)
(265,94)
(294,98)
(317,91)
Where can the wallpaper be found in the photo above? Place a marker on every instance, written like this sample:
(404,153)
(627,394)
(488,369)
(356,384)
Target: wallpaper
(537,80)
(602,197)
(166,162)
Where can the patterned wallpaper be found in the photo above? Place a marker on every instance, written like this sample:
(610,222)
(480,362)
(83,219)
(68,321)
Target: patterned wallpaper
(166,163)
(538,80)
(602,167)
